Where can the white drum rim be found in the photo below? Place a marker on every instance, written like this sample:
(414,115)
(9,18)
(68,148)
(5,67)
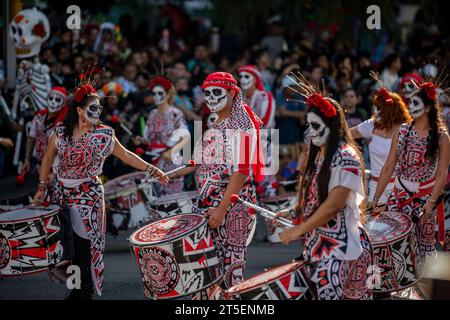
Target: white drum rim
(378,243)
(54,210)
(153,244)
(278,198)
(116,179)
(295,265)
(158,200)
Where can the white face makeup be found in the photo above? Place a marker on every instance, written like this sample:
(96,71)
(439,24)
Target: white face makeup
(216,98)
(211,119)
(408,89)
(318,131)
(92,112)
(246,80)
(55,101)
(159,95)
(416,106)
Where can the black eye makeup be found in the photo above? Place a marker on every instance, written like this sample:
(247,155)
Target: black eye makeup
(158,93)
(217,92)
(315,125)
(95,108)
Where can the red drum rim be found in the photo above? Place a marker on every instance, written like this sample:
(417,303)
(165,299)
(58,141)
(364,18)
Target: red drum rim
(195,220)
(110,184)
(278,272)
(48,211)
(403,220)
(283,197)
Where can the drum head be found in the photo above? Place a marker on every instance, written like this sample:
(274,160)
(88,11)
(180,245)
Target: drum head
(266,277)
(28,213)
(278,199)
(123,183)
(388,226)
(12,193)
(173,198)
(167,230)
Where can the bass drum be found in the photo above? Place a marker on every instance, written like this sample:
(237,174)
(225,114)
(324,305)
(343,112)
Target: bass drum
(15,196)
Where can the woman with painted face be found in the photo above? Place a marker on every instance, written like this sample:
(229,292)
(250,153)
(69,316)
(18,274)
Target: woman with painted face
(41,127)
(389,112)
(81,144)
(337,248)
(419,158)
(162,123)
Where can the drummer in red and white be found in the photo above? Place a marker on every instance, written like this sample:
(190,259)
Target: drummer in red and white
(41,127)
(337,247)
(82,144)
(419,157)
(228,162)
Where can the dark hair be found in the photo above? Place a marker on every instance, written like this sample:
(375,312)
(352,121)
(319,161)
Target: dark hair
(436,123)
(390,60)
(71,119)
(339,132)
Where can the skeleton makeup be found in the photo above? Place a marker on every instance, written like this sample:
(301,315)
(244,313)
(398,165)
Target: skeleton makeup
(211,119)
(55,101)
(246,80)
(408,89)
(317,131)
(216,98)
(159,95)
(416,106)
(92,112)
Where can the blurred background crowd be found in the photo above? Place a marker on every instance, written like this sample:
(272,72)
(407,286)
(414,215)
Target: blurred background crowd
(186,40)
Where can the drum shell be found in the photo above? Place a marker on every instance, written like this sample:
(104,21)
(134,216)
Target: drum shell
(398,259)
(293,285)
(30,245)
(185,264)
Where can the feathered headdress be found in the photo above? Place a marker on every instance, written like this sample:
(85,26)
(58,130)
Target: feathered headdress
(314,98)
(430,87)
(87,82)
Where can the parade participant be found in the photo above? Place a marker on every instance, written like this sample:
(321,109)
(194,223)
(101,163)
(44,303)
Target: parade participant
(42,126)
(227,166)
(407,86)
(82,144)
(162,122)
(419,158)
(389,112)
(337,247)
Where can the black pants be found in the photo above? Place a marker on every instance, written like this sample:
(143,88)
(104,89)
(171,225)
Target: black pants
(82,259)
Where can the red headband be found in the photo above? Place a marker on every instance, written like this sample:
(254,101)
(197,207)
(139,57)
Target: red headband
(161,81)
(221,79)
(319,102)
(82,91)
(61,90)
(407,77)
(430,90)
(254,72)
(386,96)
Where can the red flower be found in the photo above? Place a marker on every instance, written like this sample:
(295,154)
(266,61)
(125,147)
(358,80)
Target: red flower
(430,90)
(386,96)
(82,92)
(319,102)
(39,30)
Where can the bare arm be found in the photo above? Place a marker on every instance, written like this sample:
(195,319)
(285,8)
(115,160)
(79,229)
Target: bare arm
(128,157)
(442,167)
(48,158)
(355,133)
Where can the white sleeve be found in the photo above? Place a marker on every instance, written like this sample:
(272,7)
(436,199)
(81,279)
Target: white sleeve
(365,129)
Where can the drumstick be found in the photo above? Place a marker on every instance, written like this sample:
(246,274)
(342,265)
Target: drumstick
(277,184)
(263,212)
(416,219)
(191,163)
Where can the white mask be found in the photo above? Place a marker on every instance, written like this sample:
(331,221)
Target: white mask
(318,131)
(246,80)
(55,101)
(408,89)
(211,119)
(216,98)
(416,106)
(159,95)
(92,113)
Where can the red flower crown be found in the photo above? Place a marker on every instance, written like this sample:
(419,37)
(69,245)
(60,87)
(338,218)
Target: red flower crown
(316,100)
(386,96)
(429,89)
(82,91)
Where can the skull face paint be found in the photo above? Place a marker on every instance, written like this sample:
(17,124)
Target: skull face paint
(55,101)
(92,112)
(211,119)
(408,89)
(416,106)
(159,95)
(216,98)
(246,80)
(318,131)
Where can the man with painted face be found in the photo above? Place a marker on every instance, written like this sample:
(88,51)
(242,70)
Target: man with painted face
(41,127)
(419,158)
(228,161)
(161,125)
(329,199)
(389,112)
(82,144)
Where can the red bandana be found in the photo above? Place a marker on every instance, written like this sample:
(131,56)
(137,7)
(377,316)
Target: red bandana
(221,79)
(161,81)
(386,96)
(319,102)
